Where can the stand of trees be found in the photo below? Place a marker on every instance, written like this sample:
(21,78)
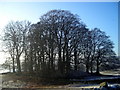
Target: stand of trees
(58,43)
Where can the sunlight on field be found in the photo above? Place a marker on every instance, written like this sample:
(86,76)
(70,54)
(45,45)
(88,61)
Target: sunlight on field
(3,57)
(87,86)
(111,72)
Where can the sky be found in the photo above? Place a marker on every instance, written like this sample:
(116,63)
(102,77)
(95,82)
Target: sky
(103,15)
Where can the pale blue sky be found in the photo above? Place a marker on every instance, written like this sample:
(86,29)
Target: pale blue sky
(103,15)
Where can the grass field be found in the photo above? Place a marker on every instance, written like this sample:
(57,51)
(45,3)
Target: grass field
(20,81)
(111,72)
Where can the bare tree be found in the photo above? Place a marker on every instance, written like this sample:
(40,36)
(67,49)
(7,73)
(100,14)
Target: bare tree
(14,37)
(59,43)
(58,26)
(102,48)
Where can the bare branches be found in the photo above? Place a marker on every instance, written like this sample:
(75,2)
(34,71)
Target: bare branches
(59,42)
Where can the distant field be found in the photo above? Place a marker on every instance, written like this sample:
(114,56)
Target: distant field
(111,72)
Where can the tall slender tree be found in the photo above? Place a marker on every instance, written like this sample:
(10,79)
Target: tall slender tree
(14,38)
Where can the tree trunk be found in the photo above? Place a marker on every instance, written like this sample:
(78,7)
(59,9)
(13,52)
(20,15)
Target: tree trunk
(31,61)
(25,65)
(97,68)
(13,65)
(87,68)
(67,59)
(75,60)
(52,63)
(63,63)
(59,60)
(91,67)
(87,65)
(35,61)
(18,64)
(25,62)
